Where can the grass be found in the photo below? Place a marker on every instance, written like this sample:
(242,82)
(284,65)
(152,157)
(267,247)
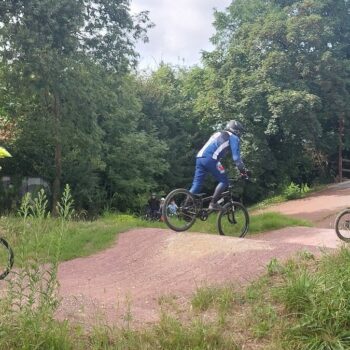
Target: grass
(274,221)
(168,334)
(80,238)
(22,331)
(206,297)
(258,223)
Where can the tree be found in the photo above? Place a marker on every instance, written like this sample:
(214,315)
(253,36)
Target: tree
(168,96)
(45,44)
(282,68)
(134,158)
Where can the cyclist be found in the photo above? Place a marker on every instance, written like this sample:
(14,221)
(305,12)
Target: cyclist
(208,160)
(154,205)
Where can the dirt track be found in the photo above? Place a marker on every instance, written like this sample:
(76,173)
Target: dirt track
(320,208)
(146,264)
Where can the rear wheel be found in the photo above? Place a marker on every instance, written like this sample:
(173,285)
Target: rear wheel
(342,225)
(233,220)
(179,210)
(6,258)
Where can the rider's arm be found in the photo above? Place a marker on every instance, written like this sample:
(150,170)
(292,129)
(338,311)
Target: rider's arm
(236,154)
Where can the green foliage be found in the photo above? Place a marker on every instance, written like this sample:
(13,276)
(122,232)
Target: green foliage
(314,298)
(68,91)
(168,334)
(171,334)
(265,319)
(273,221)
(294,191)
(167,97)
(31,297)
(274,267)
(205,297)
(39,206)
(81,117)
(280,67)
(296,293)
(271,73)
(66,206)
(40,332)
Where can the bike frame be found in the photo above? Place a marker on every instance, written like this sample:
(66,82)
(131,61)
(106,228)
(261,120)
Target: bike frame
(200,200)
(225,195)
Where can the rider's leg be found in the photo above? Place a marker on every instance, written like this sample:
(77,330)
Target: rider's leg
(218,172)
(219,189)
(199,176)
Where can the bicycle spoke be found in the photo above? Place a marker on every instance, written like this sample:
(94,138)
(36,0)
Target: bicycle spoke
(179,210)
(343,225)
(233,220)
(6,258)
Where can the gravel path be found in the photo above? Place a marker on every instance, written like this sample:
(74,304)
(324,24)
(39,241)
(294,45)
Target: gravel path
(124,283)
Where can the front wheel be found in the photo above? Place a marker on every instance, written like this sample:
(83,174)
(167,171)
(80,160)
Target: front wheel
(6,258)
(233,220)
(342,225)
(179,210)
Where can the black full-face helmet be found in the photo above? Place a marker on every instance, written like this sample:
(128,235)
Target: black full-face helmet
(235,127)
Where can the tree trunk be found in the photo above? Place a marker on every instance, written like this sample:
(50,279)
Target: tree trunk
(340,155)
(56,186)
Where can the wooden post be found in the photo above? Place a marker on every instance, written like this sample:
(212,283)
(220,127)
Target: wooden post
(340,160)
(56,186)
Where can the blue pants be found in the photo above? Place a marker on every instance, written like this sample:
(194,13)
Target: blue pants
(205,166)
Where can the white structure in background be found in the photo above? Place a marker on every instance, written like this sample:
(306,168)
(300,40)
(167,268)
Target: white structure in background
(29,184)
(33,185)
(6,181)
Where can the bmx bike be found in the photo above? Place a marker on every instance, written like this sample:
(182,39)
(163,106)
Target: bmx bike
(6,258)
(6,253)
(342,225)
(232,219)
(151,215)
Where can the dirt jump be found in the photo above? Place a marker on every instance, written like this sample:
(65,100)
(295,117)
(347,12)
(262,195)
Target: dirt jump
(126,282)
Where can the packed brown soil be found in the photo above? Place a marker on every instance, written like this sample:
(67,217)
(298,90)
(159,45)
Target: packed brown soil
(124,283)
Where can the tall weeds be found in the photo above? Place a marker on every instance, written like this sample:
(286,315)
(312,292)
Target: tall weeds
(31,297)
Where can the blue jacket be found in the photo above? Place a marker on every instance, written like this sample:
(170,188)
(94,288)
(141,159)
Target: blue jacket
(219,145)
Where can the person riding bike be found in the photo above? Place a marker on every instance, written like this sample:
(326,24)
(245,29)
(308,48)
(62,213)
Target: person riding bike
(208,160)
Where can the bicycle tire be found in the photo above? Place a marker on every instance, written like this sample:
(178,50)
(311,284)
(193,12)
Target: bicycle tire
(186,215)
(8,258)
(338,228)
(229,228)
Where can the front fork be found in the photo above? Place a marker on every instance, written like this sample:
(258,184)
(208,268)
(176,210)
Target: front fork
(231,214)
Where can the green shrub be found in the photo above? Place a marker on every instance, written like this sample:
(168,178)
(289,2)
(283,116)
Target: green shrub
(205,297)
(294,191)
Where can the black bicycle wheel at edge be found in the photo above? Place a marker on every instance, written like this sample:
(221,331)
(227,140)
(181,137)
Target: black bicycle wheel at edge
(233,220)
(6,258)
(179,210)
(342,225)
